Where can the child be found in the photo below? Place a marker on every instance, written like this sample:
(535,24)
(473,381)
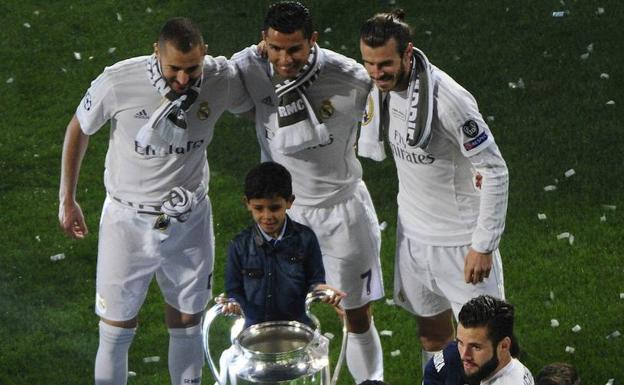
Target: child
(275,262)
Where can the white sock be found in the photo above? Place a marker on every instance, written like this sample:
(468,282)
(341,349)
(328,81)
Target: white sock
(425,357)
(364,355)
(111,361)
(186,355)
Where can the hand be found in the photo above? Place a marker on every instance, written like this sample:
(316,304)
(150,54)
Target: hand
(231,308)
(477,266)
(333,299)
(72,220)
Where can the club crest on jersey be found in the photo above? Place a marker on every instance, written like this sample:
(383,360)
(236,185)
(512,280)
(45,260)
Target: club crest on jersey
(87,101)
(327,109)
(203,112)
(369,111)
(470,128)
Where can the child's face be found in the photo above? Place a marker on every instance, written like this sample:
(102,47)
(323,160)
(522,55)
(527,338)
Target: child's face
(269,214)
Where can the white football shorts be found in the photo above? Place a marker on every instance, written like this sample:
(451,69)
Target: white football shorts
(131,252)
(350,240)
(430,279)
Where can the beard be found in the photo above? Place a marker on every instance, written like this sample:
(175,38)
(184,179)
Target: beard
(484,372)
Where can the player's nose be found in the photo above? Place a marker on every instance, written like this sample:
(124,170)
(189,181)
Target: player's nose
(182,77)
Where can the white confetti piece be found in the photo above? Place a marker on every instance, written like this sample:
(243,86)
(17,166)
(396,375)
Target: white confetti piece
(610,381)
(590,47)
(600,11)
(77,56)
(609,207)
(57,257)
(563,235)
(603,218)
(551,295)
(119,18)
(90,57)
(37,238)
(604,76)
(151,359)
(387,333)
(131,374)
(550,187)
(26,25)
(541,216)
(554,323)
(570,349)
(327,30)
(428,33)
(10,80)
(571,240)
(383,225)
(112,49)
(611,103)
(36,12)
(329,335)
(395,353)
(615,334)
(327,43)
(585,56)
(390,302)
(148,10)
(569,173)
(63,70)
(577,328)
(621,295)
(560,13)
(343,47)
(517,85)
(490,118)
(556,180)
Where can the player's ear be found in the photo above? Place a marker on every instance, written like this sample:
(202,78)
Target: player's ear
(504,345)
(245,202)
(156,48)
(313,38)
(289,201)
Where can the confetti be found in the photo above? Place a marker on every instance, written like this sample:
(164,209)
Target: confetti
(541,217)
(490,118)
(571,240)
(551,295)
(610,102)
(550,188)
(603,218)
(554,323)
(90,57)
(383,225)
(517,85)
(148,10)
(131,374)
(600,11)
(590,47)
(10,80)
(615,334)
(569,173)
(151,359)
(428,33)
(77,56)
(327,30)
(327,43)
(112,49)
(570,349)
(387,333)
(560,13)
(610,381)
(390,302)
(63,70)
(38,238)
(343,47)
(621,295)
(36,12)
(563,235)
(604,76)
(609,207)
(57,257)
(576,328)
(119,18)
(26,25)
(395,353)
(585,56)
(329,335)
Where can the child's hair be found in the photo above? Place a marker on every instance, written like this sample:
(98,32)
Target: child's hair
(268,180)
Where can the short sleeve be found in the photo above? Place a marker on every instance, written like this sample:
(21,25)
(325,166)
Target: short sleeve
(97,105)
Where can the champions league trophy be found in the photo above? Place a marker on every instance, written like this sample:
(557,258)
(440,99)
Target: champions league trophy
(275,352)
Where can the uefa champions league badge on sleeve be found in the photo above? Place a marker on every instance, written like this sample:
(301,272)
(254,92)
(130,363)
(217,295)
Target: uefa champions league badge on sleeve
(471,131)
(470,128)
(87,101)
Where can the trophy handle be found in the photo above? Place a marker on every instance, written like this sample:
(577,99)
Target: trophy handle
(317,295)
(209,317)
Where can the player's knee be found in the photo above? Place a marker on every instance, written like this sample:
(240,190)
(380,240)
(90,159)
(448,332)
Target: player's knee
(177,319)
(358,320)
(436,332)
(129,324)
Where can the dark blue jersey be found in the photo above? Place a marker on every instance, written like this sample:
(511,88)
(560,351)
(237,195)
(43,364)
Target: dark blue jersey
(445,368)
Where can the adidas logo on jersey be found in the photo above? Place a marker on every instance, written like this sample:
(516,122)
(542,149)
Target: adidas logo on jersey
(268,101)
(141,115)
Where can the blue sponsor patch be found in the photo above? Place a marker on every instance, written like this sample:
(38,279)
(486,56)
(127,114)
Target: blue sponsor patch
(476,141)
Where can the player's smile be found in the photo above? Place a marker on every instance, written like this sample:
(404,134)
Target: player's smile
(288,52)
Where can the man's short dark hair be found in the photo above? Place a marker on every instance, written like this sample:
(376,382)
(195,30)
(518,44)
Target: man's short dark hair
(268,180)
(380,28)
(558,373)
(182,33)
(289,17)
(495,314)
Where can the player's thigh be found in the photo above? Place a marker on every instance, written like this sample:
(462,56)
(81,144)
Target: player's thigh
(415,289)
(128,255)
(185,276)
(449,275)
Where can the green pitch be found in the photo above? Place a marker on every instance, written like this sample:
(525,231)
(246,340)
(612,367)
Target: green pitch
(556,119)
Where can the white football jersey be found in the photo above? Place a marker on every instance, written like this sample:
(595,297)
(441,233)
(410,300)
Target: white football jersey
(124,95)
(321,174)
(514,373)
(438,200)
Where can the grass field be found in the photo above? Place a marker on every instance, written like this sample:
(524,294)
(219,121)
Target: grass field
(570,66)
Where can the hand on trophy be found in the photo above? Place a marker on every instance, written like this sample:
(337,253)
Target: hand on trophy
(228,305)
(333,297)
